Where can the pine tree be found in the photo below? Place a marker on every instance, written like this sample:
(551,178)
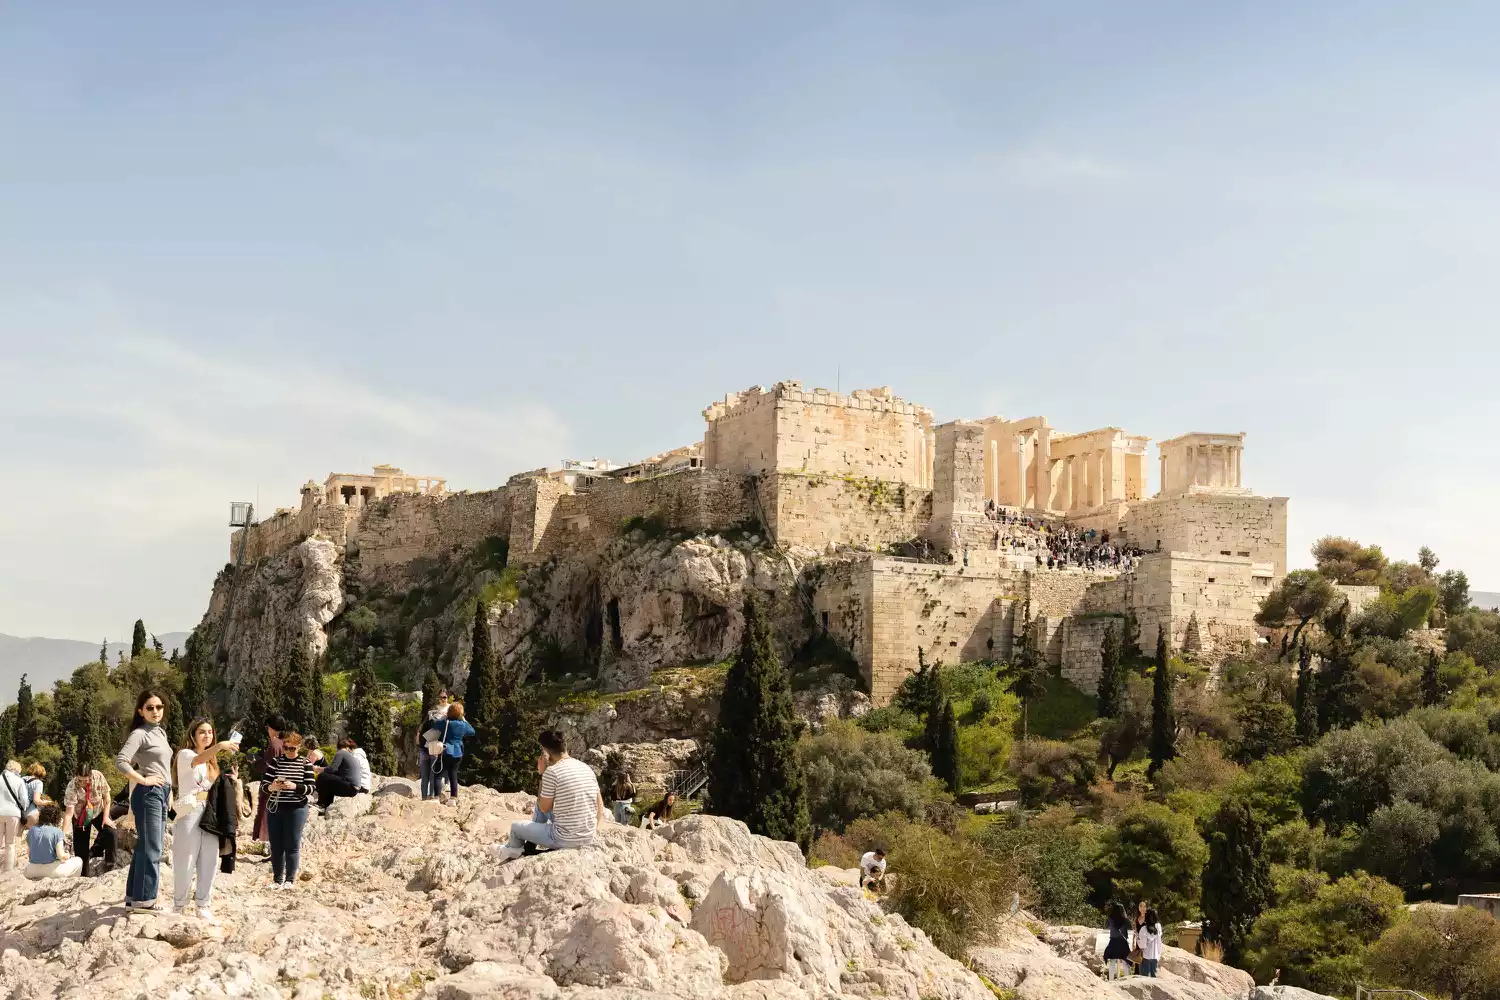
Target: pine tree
(138,639)
(368,717)
(754,773)
(66,769)
(25,718)
(1163,720)
(1307,699)
(1432,691)
(156,645)
(1030,680)
(945,753)
(1236,880)
(1111,675)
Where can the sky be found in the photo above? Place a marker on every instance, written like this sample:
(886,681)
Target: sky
(242,246)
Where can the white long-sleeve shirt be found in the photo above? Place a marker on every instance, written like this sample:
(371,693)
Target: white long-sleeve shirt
(1148,939)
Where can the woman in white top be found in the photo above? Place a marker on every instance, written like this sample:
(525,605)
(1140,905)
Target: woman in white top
(194,771)
(1148,939)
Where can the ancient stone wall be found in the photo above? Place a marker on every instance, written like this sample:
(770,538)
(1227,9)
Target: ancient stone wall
(1082,640)
(404,528)
(819,511)
(1207,603)
(1249,527)
(287,528)
(868,433)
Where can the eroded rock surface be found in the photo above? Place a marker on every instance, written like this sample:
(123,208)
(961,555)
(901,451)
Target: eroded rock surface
(401,898)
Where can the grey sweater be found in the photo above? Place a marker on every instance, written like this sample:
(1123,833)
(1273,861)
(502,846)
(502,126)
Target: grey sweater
(146,751)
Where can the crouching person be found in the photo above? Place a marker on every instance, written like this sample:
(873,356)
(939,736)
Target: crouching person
(569,793)
(44,842)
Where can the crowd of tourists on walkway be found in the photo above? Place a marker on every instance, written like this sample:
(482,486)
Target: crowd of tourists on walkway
(1058,546)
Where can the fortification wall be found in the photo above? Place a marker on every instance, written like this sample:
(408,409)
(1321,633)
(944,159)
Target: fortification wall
(279,533)
(405,527)
(952,615)
(741,433)
(1207,524)
(1206,603)
(1082,643)
(818,511)
(843,602)
(1059,593)
(692,500)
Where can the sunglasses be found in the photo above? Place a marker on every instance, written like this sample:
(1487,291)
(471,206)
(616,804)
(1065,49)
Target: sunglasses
(153,708)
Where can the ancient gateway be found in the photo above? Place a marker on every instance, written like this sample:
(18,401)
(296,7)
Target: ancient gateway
(954,538)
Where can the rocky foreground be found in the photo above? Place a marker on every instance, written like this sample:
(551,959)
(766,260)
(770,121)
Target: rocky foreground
(401,898)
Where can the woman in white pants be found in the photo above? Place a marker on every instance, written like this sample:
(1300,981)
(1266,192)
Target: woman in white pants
(195,771)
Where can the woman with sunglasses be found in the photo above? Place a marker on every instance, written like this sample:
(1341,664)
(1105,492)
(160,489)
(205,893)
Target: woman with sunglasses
(146,759)
(289,783)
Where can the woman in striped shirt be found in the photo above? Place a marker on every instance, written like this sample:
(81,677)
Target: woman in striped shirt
(288,782)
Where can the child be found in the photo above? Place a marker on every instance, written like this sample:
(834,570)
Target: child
(44,842)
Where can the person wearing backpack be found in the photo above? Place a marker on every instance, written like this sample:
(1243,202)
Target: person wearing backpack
(15,806)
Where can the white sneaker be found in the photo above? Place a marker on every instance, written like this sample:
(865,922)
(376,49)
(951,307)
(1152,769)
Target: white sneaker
(206,914)
(286,885)
(504,852)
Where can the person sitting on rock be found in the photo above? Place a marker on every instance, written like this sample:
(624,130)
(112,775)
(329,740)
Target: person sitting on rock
(44,844)
(623,798)
(569,792)
(340,779)
(660,813)
(872,869)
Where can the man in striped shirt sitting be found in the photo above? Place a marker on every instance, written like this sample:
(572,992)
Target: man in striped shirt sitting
(569,792)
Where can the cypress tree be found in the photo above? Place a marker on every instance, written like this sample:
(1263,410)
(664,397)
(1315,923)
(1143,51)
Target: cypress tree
(368,717)
(25,718)
(7,734)
(1236,880)
(66,770)
(104,652)
(1030,680)
(1111,676)
(1432,691)
(195,676)
(138,639)
(507,741)
(1163,720)
(156,645)
(481,666)
(266,697)
(1307,699)
(945,753)
(174,723)
(429,692)
(320,711)
(754,773)
(296,694)
(90,736)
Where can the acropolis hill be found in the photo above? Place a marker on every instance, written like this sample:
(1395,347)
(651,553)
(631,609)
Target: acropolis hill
(864,521)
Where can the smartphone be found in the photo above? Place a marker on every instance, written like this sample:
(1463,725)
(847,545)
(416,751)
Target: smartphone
(235,737)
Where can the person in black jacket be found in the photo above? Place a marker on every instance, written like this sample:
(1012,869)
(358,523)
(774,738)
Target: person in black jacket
(289,783)
(340,778)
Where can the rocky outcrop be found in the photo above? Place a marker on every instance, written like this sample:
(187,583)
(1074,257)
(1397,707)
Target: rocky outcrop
(270,606)
(648,764)
(649,603)
(401,898)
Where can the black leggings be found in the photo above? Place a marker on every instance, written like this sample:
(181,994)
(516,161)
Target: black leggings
(450,773)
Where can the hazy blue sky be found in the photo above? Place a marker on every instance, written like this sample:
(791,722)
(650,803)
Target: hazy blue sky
(244,245)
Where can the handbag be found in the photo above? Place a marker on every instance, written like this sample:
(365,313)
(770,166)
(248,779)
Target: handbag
(1136,956)
(436,743)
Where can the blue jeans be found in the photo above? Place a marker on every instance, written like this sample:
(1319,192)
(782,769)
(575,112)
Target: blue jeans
(284,826)
(538,831)
(622,809)
(148,804)
(1148,967)
(424,763)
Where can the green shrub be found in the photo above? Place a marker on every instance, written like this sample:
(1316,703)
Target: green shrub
(983,753)
(948,886)
(1048,771)
(1318,932)
(853,773)
(1153,853)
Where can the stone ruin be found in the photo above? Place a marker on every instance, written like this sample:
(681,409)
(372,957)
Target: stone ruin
(914,535)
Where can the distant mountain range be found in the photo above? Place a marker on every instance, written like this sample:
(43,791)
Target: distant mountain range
(46,661)
(1483,599)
